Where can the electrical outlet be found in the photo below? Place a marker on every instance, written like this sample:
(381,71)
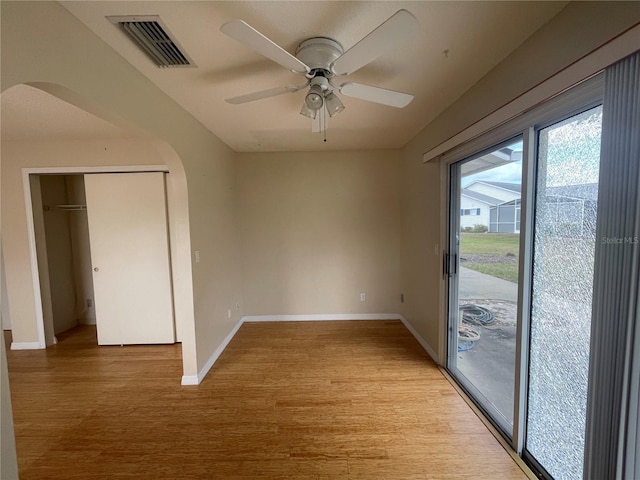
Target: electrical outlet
(237,306)
(196,254)
(89,303)
(363,297)
(229,313)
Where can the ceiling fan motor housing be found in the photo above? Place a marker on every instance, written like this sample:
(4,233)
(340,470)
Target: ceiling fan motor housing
(318,54)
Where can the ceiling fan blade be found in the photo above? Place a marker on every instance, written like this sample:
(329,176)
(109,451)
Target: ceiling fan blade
(272,92)
(400,26)
(245,33)
(376,94)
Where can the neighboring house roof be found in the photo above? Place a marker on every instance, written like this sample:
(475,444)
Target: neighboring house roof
(481,197)
(514,187)
(585,191)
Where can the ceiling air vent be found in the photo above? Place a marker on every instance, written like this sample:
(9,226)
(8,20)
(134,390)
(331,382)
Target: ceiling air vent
(153,38)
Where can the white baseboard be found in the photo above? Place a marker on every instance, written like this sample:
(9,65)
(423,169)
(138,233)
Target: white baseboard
(321,317)
(423,343)
(26,346)
(196,379)
(190,380)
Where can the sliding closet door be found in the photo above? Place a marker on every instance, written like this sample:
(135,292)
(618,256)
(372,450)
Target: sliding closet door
(130,257)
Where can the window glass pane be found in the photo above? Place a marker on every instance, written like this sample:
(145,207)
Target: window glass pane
(564,244)
(484,315)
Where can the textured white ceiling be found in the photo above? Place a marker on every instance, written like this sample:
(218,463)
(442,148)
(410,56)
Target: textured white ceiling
(31,114)
(476,36)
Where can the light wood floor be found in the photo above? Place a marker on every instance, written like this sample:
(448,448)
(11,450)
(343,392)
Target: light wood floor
(299,400)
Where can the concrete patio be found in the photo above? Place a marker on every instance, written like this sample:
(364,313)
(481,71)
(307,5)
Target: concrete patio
(490,364)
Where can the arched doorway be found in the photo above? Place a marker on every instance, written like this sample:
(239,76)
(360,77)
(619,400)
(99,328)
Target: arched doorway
(55,132)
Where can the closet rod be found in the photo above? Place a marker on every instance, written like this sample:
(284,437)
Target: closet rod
(71,208)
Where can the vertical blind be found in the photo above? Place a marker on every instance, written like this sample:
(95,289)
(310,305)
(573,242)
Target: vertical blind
(611,436)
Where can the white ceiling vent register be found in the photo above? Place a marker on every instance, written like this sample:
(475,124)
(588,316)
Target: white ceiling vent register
(153,38)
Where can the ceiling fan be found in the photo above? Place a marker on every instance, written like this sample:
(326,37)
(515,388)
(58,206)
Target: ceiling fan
(320,59)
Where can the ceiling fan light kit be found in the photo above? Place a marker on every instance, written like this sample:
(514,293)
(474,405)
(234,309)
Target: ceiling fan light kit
(307,112)
(333,104)
(320,59)
(315,97)
(319,96)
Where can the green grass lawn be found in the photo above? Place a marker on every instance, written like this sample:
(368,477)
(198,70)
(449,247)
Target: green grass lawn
(490,243)
(498,244)
(506,271)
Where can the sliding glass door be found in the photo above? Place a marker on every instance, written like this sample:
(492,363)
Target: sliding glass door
(485,239)
(568,165)
(520,264)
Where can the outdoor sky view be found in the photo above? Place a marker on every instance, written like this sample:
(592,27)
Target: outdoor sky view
(582,150)
(509,172)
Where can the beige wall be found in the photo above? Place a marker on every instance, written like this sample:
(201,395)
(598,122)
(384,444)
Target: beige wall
(318,229)
(17,155)
(217,278)
(83,70)
(422,248)
(109,85)
(579,29)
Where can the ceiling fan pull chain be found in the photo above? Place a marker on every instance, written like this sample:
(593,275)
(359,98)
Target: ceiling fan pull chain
(324,123)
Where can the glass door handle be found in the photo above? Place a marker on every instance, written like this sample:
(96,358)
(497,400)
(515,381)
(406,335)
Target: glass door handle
(450,264)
